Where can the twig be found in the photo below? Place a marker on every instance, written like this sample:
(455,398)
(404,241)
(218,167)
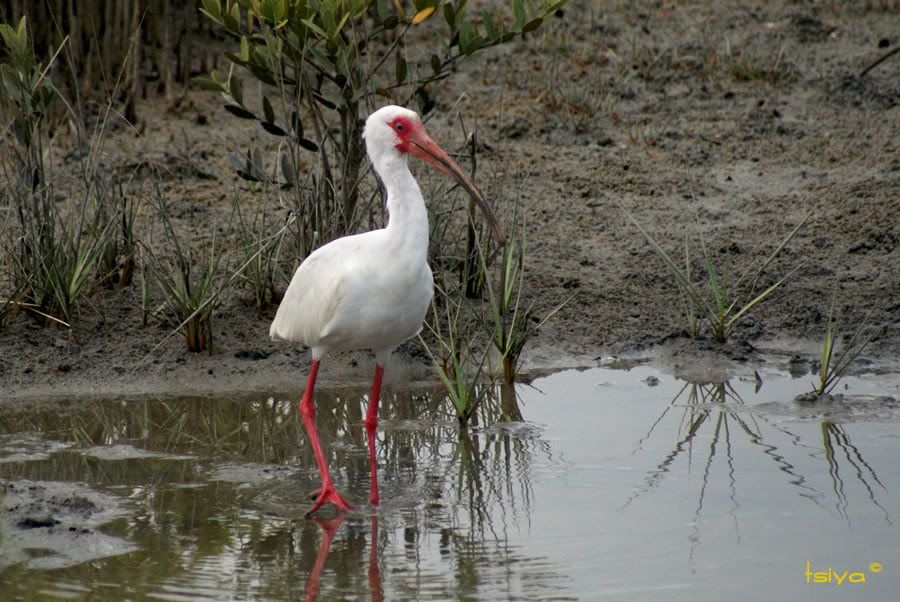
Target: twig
(880,60)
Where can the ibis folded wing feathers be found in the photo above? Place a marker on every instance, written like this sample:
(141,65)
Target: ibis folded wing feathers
(311,300)
(356,292)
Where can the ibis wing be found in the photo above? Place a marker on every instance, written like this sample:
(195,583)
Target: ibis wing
(310,301)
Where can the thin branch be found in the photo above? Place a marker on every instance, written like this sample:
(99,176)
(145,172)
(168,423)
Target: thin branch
(880,60)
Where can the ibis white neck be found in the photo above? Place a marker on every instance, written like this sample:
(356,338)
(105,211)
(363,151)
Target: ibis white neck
(408,218)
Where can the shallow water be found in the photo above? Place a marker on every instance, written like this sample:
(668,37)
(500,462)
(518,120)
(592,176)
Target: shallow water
(592,485)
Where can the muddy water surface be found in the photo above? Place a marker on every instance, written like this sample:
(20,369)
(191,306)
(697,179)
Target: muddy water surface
(590,485)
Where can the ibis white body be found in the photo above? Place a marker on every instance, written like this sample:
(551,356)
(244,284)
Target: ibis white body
(368,291)
(371,290)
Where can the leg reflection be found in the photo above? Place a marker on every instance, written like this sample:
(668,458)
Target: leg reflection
(329,528)
(374,571)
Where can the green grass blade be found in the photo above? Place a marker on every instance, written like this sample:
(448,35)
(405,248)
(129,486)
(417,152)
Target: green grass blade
(825,355)
(779,248)
(682,280)
(760,297)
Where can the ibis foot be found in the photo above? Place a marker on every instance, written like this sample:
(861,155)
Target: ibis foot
(328,495)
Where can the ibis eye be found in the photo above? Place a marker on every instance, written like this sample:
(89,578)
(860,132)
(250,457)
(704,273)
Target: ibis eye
(399,127)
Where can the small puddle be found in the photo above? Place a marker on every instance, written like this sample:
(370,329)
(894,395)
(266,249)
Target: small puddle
(594,484)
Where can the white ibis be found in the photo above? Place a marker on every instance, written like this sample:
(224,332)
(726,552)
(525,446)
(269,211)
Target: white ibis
(370,290)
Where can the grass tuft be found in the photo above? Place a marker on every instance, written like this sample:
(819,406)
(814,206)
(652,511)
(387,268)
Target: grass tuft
(459,363)
(260,254)
(510,324)
(723,302)
(833,363)
(186,291)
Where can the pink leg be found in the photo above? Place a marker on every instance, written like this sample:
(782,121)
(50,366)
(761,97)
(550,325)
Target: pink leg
(326,493)
(371,426)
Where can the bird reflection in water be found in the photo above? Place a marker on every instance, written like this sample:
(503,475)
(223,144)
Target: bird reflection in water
(456,505)
(471,489)
(329,528)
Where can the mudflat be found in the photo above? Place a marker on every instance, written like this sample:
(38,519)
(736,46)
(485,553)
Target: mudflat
(726,120)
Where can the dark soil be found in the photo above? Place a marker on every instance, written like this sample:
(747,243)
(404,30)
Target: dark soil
(726,119)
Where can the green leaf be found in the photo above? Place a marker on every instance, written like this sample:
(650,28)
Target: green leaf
(684,283)
(245,49)
(236,59)
(328,18)
(400,69)
(341,24)
(231,24)
(238,111)
(236,89)
(10,79)
(213,8)
(449,15)
(308,145)
(263,74)
(467,37)
(381,7)
(518,13)
(9,36)
(315,28)
(268,111)
(267,10)
(488,21)
(532,25)
(206,83)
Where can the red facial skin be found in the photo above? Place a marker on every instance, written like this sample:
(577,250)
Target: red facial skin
(403,127)
(413,139)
